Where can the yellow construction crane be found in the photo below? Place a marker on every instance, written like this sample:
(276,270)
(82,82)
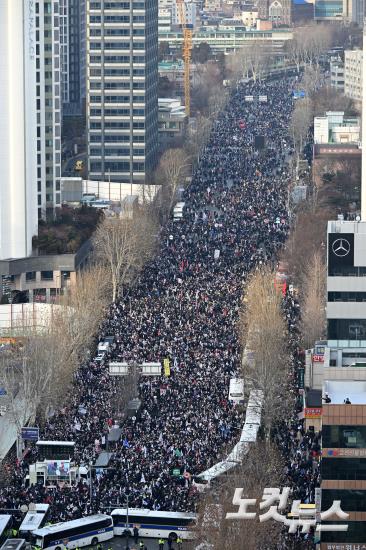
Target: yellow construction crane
(186,50)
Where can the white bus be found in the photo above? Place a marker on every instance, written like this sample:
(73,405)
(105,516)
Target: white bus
(76,533)
(236,390)
(6,522)
(14,544)
(34,519)
(153,523)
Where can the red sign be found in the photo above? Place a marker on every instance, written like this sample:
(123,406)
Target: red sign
(318,358)
(313,412)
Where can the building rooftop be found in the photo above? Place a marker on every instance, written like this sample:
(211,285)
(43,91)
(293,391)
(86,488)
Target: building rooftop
(339,390)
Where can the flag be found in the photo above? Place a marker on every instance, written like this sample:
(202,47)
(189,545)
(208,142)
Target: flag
(166,367)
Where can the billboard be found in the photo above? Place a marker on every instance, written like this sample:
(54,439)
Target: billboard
(58,468)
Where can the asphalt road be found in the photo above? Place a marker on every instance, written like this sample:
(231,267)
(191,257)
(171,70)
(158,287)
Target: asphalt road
(119,543)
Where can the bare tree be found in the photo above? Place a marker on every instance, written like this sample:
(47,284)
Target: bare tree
(313,300)
(308,236)
(263,467)
(310,81)
(308,44)
(236,64)
(38,373)
(300,123)
(316,39)
(257,59)
(264,334)
(174,167)
(295,49)
(123,246)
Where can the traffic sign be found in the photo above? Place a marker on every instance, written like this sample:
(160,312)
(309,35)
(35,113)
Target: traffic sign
(30,434)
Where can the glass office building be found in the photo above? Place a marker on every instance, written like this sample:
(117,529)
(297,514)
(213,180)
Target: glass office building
(328,9)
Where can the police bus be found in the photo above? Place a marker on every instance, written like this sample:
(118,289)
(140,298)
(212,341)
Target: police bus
(34,519)
(6,522)
(153,523)
(14,544)
(76,533)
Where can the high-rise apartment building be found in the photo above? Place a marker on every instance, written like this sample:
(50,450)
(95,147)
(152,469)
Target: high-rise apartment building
(48,104)
(122,96)
(73,52)
(18,128)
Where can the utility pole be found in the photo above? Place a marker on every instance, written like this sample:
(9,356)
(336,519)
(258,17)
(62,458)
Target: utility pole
(91,486)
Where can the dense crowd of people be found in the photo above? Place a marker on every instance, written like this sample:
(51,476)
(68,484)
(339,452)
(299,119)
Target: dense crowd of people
(184,307)
(301,449)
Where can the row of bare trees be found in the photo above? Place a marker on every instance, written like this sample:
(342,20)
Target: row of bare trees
(308,44)
(264,334)
(37,374)
(305,255)
(250,60)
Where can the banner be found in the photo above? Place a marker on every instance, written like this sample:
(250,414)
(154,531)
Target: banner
(166,367)
(313,412)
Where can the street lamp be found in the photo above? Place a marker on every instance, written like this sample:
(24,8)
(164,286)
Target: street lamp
(127,528)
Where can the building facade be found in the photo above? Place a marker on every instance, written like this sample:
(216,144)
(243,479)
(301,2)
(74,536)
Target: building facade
(328,10)
(358,12)
(190,16)
(18,128)
(226,40)
(335,127)
(343,464)
(346,304)
(73,51)
(353,74)
(337,74)
(122,83)
(49,106)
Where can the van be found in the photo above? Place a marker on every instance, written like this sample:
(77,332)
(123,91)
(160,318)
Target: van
(103,347)
(236,390)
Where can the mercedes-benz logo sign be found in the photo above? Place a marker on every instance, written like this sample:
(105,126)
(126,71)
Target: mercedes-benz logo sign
(341,247)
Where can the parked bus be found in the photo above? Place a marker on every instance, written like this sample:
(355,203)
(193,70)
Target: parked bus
(76,533)
(14,544)
(236,391)
(6,522)
(153,523)
(34,519)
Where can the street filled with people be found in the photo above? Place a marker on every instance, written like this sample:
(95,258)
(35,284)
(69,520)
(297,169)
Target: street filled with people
(185,308)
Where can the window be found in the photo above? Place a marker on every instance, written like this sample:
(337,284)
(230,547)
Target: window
(351,500)
(343,468)
(349,437)
(347,329)
(47,275)
(30,276)
(346,296)
(178,522)
(356,532)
